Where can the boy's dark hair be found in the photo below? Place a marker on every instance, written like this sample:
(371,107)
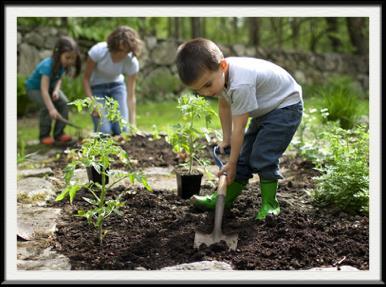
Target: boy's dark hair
(127,37)
(66,44)
(196,56)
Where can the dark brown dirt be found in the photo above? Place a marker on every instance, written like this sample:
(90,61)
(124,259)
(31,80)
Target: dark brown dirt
(157,229)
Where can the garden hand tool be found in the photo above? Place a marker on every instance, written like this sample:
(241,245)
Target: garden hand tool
(217,235)
(60,118)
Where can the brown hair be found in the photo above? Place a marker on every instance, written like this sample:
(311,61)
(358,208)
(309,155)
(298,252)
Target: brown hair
(66,44)
(127,37)
(196,56)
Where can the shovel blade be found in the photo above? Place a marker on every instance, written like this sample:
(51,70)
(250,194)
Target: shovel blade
(209,239)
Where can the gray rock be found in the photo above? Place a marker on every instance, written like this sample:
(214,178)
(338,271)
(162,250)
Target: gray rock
(28,58)
(34,190)
(34,39)
(36,222)
(40,172)
(200,266)
(165,53)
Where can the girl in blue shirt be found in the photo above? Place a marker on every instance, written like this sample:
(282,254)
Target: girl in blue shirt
(43,87)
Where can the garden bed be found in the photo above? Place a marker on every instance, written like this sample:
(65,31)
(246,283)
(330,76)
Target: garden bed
(157,229)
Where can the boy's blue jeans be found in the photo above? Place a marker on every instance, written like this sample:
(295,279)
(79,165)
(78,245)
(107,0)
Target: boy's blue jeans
(117,91)
(265,141)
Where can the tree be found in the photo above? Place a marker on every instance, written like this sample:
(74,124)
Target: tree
(196,27)
(333,32)
(356,28)
(254,31)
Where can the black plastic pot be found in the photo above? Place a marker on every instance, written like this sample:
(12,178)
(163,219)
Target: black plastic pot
(95,176)
(188,184)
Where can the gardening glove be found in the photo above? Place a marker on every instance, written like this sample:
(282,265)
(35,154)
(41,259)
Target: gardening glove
(269,204)
(208,202)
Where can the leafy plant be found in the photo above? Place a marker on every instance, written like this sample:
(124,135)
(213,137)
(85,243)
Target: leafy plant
(186,138)
(342,102)
(345,173)
(98,152)
(111,106)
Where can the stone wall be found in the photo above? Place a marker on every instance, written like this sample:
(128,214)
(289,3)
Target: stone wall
(158,72)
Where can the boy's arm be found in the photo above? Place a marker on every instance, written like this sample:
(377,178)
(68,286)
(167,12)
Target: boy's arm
(131,99)
(224,111)
(237,139)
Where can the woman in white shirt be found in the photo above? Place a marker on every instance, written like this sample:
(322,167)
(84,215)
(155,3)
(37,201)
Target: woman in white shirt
(106,66)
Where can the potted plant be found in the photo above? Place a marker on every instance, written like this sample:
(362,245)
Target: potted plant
(96,154)
(186,140)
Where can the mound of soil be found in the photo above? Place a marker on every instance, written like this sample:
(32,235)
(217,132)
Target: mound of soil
(157,229)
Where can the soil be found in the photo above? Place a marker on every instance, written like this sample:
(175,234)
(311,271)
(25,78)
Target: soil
(156,229)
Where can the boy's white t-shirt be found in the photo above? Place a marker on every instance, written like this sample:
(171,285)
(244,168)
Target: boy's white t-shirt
(257,86)
(105,70)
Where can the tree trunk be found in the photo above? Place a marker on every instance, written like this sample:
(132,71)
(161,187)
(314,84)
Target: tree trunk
(254,31)
(356,29)
(333,32)
(196,27)
(295,31)
(177,30)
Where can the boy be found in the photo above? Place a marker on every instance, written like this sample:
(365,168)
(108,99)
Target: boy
(246,87)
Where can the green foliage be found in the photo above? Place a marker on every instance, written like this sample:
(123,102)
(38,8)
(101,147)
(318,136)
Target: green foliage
(21,155)
(342,102)
(296,33)
(186,138)
(73,88)
(98,152)
(24,104)
(345,173)
(159,85)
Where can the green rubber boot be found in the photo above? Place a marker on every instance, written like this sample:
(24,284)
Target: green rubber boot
(209,201)
(269,204)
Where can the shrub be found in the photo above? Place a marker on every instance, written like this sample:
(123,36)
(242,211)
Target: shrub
(342,101)
(345,172)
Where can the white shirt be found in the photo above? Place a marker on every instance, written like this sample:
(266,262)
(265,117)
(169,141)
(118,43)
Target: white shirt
(257,86)
(106,71)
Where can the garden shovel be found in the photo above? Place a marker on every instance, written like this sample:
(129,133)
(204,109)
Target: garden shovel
(217,235)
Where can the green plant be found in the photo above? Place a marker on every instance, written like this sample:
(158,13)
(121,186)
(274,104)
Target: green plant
(21,156)
(344,181)
(98,152)
(111,106)
(186,138)
(342,102)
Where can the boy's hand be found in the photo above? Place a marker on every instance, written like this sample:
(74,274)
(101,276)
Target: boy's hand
(230,170)
(222,145)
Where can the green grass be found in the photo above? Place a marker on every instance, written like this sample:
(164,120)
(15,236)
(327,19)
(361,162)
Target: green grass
(162,115)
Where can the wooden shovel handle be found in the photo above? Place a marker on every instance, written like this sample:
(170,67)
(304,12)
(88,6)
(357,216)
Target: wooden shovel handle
(222,185)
